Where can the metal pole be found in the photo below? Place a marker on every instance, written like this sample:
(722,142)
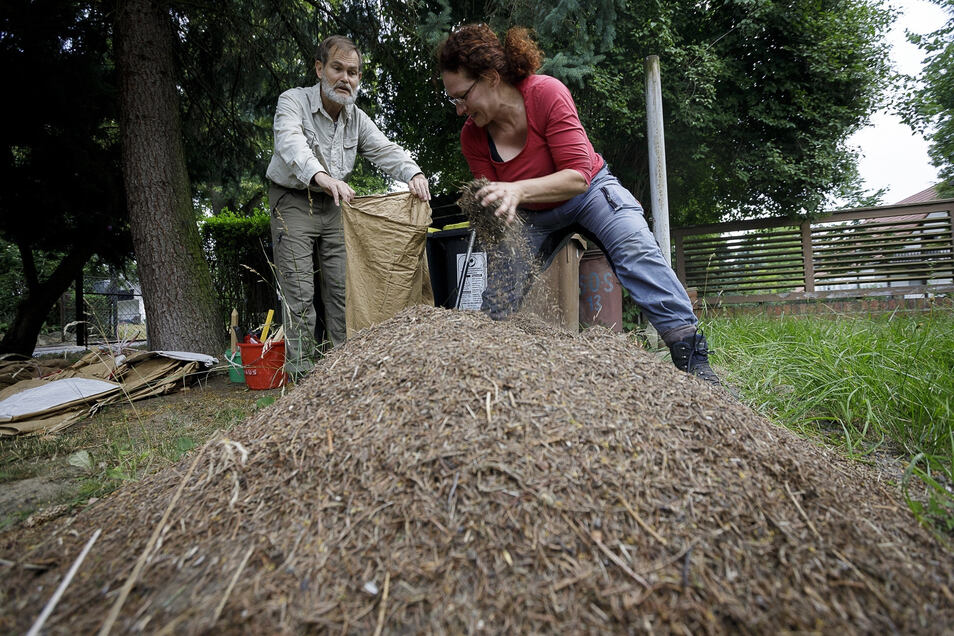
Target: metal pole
(466,268)
(658,188)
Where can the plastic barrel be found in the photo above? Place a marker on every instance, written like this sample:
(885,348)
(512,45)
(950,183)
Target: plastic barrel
(601,299)
(263,370)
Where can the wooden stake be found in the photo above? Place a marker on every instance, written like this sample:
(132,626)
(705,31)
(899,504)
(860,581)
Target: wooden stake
(233,325)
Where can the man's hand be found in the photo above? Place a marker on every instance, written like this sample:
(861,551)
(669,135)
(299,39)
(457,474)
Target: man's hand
(418,187)
(335,187)
(507,194)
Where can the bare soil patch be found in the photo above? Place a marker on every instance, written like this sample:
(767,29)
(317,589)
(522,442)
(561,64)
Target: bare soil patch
(445,473)
(123,440)
(26,495)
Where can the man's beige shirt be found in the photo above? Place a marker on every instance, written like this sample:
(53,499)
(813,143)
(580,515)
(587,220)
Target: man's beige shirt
(308,140)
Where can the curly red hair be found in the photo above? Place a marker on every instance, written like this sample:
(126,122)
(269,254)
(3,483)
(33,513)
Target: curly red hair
(476,49)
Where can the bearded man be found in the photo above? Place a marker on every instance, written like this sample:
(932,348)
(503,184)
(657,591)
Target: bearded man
(318,134)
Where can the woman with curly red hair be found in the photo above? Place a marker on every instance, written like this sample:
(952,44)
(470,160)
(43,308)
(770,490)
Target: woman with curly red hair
(524,135)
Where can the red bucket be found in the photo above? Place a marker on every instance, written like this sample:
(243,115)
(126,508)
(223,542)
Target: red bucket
(263,370)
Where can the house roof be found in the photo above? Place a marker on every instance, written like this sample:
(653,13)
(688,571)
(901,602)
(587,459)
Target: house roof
(924,195)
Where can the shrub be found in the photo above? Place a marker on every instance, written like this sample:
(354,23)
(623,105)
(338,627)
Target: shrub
(239,250)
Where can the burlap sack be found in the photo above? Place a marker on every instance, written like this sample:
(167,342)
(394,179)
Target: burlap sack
(385,237)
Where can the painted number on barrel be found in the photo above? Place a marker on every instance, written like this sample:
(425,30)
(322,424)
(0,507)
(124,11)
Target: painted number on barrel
(592,282)
(593,300)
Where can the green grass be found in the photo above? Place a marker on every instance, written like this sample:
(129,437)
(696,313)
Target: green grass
(862,382)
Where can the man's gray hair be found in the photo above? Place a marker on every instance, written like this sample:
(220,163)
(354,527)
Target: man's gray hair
(330,43)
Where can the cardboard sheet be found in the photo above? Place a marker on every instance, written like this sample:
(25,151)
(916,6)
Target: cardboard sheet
(51,404)
(52,396)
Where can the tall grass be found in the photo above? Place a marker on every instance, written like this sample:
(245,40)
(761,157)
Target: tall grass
(866,382)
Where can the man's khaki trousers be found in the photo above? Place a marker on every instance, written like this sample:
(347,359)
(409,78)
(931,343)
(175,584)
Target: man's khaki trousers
(307,236)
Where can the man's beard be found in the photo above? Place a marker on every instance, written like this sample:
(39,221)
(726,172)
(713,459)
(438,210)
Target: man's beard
(328,90)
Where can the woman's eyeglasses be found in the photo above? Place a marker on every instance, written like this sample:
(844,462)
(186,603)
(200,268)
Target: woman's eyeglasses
(457,101)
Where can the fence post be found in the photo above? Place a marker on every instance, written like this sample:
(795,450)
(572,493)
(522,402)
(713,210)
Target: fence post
(950,225)
(80,313)
(808,256)
(63,315)
(658,188)
(114,315)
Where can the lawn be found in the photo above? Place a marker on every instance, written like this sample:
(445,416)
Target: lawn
(868,385)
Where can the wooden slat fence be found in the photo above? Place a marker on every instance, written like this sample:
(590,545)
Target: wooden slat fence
(865,252)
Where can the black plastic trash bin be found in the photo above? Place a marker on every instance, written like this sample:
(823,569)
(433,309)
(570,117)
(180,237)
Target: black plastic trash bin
(446,251)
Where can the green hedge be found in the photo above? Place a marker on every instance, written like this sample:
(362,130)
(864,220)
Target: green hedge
(239,250)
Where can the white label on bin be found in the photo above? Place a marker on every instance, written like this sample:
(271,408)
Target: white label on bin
(476,280)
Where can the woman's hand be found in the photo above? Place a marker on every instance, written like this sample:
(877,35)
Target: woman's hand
(507,196)
(418,187)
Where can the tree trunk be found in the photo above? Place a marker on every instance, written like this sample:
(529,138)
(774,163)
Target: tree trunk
(40,298)
(181,311)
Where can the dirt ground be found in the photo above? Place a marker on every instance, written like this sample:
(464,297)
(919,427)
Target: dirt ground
(123,441)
